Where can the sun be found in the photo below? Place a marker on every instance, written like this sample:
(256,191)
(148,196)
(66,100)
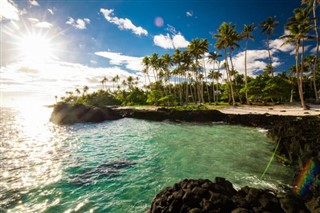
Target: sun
(35,48)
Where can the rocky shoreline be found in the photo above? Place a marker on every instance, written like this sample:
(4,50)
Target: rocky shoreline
(298,139)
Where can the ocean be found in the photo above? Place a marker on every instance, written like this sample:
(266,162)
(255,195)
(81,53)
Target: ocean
(119,166)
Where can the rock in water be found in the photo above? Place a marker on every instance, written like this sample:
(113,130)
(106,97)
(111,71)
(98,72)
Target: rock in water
(79,113)
(220,196)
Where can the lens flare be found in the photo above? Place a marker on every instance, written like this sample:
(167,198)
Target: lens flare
(158,21)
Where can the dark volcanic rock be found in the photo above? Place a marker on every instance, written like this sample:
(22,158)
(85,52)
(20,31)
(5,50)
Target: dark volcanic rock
(223,198)
(70,114)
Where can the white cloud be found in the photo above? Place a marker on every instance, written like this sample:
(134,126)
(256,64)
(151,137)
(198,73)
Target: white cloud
(130,62)
(179,41)
(50,11)
(93,62)
(8,10)
(34,3)
(189,13)
(163,41)
(170,42)
(54,78)
(79,23)
(43,24)
(277,45)
(122,23)
(256,61)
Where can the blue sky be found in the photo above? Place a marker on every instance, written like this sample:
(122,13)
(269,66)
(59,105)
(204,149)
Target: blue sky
(88,40)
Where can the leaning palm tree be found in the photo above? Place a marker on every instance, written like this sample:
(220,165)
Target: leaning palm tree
(268,27)
(226,38)
(298,26)
(247,34)
(315,4)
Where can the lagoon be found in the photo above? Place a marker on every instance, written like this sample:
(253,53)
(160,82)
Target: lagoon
(119,166)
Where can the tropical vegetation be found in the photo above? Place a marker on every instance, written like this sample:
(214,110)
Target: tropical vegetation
(196,76)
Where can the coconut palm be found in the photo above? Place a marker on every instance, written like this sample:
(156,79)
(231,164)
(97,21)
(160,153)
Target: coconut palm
(268,27)
(315,4)
(154,63)
(117,79)
(177,58)
(213,58)
(298,26)
(130,81)
(85,90)
(197,48)
(78,91)
(103,82)
(226,38)
(114,80)
(146,66)
(187,62)
(247,34)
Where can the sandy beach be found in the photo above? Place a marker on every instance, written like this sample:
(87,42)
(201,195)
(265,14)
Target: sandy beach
(273,110)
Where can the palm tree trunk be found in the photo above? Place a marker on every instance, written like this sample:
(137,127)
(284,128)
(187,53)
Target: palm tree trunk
(299,75)
(217,90)
(205,76)
(246,73)
(229,77)
(314,7)
(270,58)
(187,89)
(213,90)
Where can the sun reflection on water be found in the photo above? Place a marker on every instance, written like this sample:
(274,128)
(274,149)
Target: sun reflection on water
(30,151)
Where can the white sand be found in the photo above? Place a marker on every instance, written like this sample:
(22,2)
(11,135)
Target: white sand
(273,110)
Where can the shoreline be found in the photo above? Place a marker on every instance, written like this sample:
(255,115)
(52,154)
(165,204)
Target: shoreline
(281,110)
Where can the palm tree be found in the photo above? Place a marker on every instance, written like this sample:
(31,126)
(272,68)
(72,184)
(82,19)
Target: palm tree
(213,58)
(85,90)
(78,91)
(130,81)
(187,62)
(167,62)
(146,64)
(103,82)
(315,3)
(154,63)
(226,38)
(298,26)
(117,79)
(197,48)
(177,58)
(247,34)
(268,27)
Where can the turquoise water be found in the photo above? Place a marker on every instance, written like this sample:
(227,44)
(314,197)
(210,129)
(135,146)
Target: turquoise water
(119,166)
